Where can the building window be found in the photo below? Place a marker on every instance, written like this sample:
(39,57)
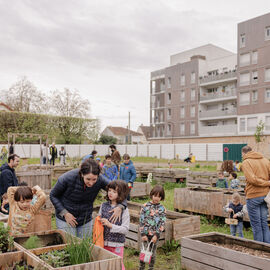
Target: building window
(267,33)
(267,122)
(251,123)
(153,85)
(244,79)
(182,128)
(244,59)
(169,100)
(169,113)
(254,96)
(242,41)
(192,94)
(182,95)
(169,82)
(192,111)
(244,99)
(254,57)
(182,112)
(183,79)
(192,128)
(242,124)
(267,95)
(169,129)
(254,77)
(267,75)
(193,77)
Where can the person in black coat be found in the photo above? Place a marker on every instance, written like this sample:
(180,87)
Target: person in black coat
(7,175)
(73,197)
(11,149)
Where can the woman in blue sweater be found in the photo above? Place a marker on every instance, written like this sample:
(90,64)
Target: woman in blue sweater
(73,197)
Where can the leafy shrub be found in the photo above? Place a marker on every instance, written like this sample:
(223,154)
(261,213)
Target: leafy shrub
(6,241)
(32,242)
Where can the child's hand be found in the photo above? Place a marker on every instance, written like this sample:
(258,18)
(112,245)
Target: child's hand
(235,216)
(144,238)
(106,222)
(154,239)
(230,210)
(35,189)
(3,209)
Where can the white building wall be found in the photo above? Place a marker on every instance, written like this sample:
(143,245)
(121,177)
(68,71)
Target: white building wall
(154,150)
(182,150)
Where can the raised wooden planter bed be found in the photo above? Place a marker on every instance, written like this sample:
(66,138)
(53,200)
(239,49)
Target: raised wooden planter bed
(140,189)
(103,259)
(9,260)
(143,171)
(205,201)
(197,200)
(163,175)
(41,178)
(58,171)
(177,225)
(47,238)
(202,179)
(219,251)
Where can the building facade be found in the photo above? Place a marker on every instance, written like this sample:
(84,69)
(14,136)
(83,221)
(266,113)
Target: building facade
(209,91)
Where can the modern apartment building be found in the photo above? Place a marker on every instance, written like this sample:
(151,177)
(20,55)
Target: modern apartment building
(209,91)
(253,74)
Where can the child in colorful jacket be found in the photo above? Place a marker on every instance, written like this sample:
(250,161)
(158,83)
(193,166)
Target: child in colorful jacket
(110,170)
(152,222)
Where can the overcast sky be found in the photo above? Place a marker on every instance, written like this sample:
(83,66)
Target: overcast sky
(107,49)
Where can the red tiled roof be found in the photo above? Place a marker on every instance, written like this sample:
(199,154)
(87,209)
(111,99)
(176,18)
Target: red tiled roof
(5,105)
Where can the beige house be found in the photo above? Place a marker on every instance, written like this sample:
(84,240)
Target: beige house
(145,130)
(122,135)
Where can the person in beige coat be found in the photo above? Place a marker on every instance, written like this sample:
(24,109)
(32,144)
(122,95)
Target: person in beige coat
(256,169)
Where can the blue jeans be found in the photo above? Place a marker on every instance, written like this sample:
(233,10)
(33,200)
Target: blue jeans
(258,211)
(237,229)
(79,231)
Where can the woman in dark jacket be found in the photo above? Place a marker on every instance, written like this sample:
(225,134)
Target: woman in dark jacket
(73,197)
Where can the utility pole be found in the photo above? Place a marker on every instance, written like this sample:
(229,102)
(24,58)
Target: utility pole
(129,138)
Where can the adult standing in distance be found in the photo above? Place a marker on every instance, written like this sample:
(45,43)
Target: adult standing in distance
(116,157)
(256,169)
(8,176)
(11,149)
(53,153)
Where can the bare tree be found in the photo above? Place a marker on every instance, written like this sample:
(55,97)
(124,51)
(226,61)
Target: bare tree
(70,103)
(23,96)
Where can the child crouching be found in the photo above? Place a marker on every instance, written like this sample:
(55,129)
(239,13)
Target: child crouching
(152,222)
(115,234)
(235,208)
(21,212)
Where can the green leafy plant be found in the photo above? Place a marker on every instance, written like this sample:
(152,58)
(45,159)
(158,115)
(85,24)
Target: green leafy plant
(32,242)
(259,132)
(170,246)
(6,241)
(80,250)
(56,258)
(197,166)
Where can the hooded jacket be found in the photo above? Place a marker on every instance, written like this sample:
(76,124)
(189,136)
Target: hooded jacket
(256,169)
(128,172)
(7,178)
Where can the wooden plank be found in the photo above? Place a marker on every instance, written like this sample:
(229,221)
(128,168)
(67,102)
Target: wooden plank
(196,243)
(189,264)
(214,261)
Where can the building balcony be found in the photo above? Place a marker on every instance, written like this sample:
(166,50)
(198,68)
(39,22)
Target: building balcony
(218,130)
(213,79)
(218,114)
(231,94)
